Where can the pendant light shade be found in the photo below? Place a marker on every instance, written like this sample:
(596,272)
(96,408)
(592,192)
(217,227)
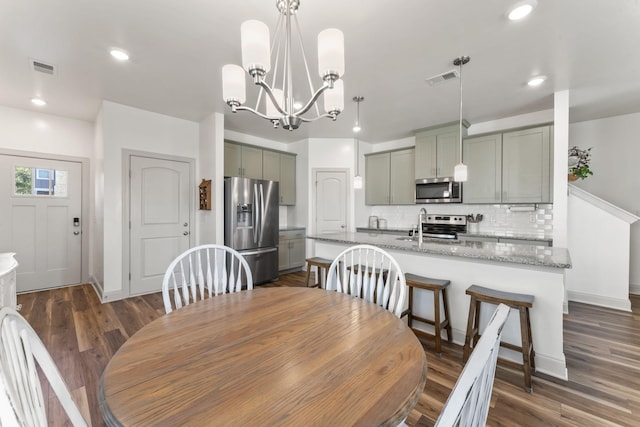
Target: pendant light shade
(254,38)
(357,182)
(460,172)
(334,98)
(234,89)
(330,53)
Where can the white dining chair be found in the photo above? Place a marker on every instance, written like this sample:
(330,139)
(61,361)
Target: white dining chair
(368,272)
(21,399)
(468,403)
(204,271)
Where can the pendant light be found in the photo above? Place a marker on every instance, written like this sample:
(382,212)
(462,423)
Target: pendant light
(357,179)
(460,171)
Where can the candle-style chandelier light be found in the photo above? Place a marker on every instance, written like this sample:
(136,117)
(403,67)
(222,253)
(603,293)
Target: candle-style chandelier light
(280,106)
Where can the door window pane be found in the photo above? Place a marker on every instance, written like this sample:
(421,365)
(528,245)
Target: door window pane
(40,182)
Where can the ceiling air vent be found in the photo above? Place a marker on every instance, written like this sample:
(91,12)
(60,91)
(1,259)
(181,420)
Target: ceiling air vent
(437,79)
(43,67)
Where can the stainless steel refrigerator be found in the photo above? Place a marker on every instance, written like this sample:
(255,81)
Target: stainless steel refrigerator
(251,223)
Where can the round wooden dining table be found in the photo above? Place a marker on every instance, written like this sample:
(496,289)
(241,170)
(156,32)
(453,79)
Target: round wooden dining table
(267,356)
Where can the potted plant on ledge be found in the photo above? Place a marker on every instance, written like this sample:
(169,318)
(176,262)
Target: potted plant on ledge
(579,161)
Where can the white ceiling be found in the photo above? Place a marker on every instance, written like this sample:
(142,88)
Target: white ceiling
(178,47)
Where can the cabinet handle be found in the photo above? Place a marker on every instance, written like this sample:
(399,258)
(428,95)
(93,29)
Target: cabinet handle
(239,171)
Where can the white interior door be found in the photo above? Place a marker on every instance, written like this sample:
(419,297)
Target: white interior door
(160,219)
(40,220)
(331,201)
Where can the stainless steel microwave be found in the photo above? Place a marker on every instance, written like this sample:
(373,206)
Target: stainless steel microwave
(438,190)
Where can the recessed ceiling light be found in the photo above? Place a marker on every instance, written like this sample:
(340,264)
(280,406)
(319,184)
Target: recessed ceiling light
(357,128)
(38,102)
(119,54)
(537,80)
(521,9)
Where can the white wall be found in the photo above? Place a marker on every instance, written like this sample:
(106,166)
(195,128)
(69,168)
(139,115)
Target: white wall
(45,133)
(599,254)
(615,148)
(134,129)
(210,148)
(326,153)
(96,249)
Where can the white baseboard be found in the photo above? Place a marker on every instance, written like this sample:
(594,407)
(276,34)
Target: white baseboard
(102,295)
(634,289)
(615,303)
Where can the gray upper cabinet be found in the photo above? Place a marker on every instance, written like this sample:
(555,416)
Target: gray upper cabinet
(483,157)
(390,178)
(509,167)
(242,160)
(377,171)
(526,166)
(252,162)
(271,165)
(437,151)
(287,179)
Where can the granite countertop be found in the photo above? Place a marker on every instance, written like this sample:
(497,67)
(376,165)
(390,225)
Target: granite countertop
(490,234)
(509,235)
(501,252)
(291,228)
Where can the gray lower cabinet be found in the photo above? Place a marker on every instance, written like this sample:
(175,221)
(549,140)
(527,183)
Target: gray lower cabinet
(390,178)
(509,167)
(291,249)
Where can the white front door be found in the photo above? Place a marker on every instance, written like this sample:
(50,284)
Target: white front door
(160,219)
(40,220)
(331,201)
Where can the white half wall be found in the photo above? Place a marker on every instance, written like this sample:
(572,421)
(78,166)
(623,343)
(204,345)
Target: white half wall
(615,179)
(599,235)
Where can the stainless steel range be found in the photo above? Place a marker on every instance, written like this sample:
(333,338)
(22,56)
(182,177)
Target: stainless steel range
(444,226)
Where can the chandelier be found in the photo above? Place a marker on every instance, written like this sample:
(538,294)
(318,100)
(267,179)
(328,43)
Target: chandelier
(280,106)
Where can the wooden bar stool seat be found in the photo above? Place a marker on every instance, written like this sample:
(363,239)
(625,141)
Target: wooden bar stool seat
(438,287)
(322,266)
(520,302)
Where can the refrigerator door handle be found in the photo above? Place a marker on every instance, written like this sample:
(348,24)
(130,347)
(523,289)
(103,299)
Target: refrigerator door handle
(259,251)
(255,213)
(262,216)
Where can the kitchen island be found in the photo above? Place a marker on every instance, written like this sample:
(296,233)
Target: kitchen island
(527,269)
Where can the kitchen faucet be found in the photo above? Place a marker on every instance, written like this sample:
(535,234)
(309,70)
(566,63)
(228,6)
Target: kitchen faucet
(422,216)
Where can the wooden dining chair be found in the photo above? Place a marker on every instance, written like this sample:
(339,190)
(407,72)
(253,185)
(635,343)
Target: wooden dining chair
(21,399)
(204,271)
(368,272)
(468,403)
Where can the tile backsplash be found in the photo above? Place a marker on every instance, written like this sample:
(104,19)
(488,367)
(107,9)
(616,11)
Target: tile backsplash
(497,218)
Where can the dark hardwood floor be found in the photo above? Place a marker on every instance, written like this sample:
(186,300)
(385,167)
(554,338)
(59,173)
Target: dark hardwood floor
(602,348)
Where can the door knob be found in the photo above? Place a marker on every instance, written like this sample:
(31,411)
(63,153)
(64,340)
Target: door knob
(185,224)
(342,226)
(186,233)
(75,233)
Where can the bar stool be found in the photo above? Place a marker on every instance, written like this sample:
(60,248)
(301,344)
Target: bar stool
(438,287)
(520,302)
(321,264)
